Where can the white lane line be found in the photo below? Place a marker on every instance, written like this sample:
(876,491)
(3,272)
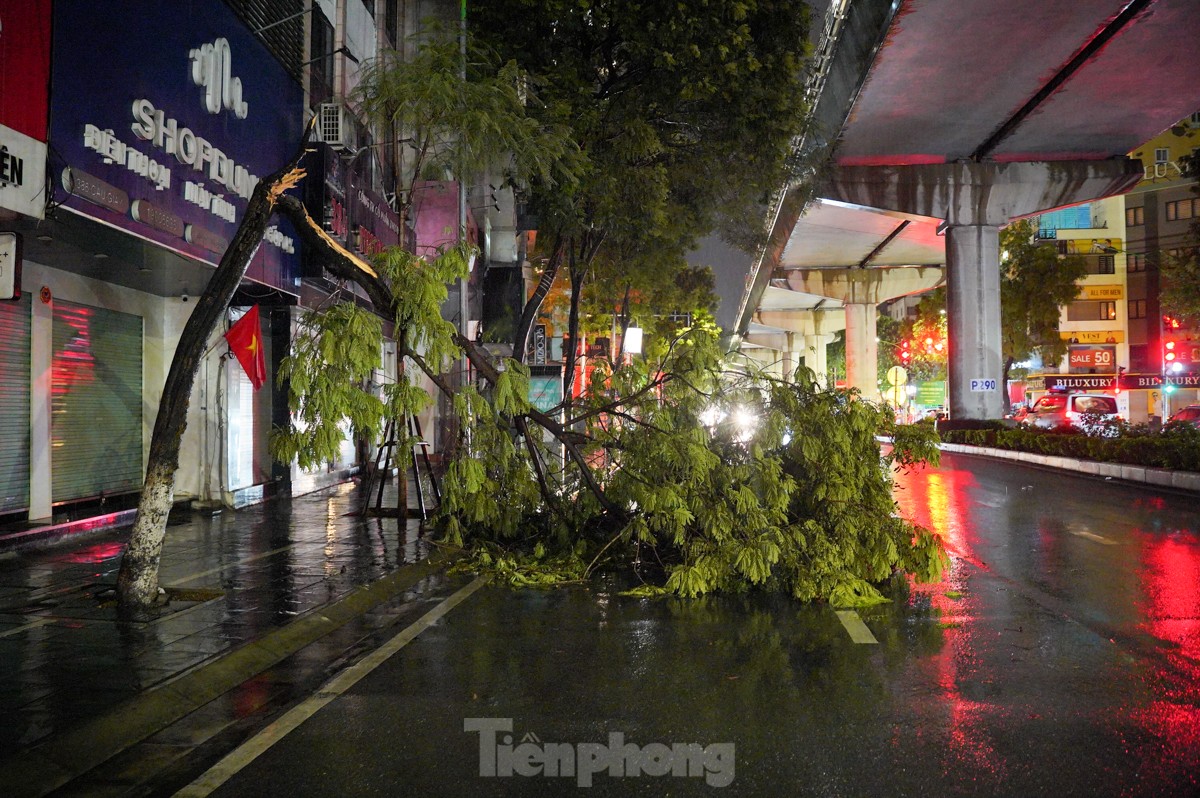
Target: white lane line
(1094,537)
(227,566)
(257,745)
(858,630)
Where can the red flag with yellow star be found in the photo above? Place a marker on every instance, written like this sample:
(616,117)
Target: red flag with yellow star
(245,341)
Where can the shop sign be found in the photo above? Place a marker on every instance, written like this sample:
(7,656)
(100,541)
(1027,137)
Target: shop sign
(166,130)
(1092,336)
(1093,357)
(1090,246)
(1103,292)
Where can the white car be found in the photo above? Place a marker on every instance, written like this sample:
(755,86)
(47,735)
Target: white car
(1083,410)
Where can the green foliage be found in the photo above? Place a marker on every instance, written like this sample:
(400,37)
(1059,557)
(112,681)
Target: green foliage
(685,113)
(1176,447)
(1034,285)
(337,349)
(447,125)
(333,356)
(534,569)
(728,481)
(1181,271)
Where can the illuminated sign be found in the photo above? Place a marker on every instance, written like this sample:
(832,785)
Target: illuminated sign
(1093,357)
(1102,292)
(166,129)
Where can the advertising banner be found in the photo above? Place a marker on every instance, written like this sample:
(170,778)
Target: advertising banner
(1092,358)
(166,117)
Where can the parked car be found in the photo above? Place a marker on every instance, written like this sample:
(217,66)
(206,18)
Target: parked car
(1088,411)
(1188,415)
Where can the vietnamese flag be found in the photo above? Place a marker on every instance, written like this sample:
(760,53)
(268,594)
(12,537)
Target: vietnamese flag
(245,341)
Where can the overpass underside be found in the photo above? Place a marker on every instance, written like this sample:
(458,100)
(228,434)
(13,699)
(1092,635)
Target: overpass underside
(942,122)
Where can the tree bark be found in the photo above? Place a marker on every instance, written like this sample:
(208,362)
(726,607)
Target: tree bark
(137,580)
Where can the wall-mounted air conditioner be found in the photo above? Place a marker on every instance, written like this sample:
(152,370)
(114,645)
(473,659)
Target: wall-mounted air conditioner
(334,126)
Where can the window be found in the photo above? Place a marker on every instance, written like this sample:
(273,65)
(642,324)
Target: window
(321,53)
(1162,155)
(1137,308)
(1181,209)
(1135,217)
(1106,264)
(1091,310)
(1135,263)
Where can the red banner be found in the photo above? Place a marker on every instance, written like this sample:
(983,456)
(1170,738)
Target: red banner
(25,66)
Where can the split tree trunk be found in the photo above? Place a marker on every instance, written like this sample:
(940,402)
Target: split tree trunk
(137,580)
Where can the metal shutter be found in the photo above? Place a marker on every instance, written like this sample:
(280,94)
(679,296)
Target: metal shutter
(96,402)
(14,404)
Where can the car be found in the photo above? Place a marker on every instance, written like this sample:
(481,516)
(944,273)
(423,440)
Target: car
(1188,415)
(1089,411)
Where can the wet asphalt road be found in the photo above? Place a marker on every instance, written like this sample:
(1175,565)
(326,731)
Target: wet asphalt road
(1060,655)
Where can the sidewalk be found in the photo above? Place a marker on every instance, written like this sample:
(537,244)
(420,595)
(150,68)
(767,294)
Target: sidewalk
(250,588)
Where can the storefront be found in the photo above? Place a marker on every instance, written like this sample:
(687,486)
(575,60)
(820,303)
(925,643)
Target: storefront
(159,138)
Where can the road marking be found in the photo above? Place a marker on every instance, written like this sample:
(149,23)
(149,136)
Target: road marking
(27,627)
(858,630)
(1093,536)
(257,745)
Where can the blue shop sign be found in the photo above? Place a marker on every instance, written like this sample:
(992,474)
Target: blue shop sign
(166,115)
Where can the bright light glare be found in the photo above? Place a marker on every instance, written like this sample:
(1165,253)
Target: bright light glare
(633,340)
(745,421)
(712,416)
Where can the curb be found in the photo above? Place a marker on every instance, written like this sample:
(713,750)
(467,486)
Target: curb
(63,757)
(1186,481)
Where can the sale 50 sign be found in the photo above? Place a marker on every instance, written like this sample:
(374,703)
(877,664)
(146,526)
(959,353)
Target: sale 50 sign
(1103,358)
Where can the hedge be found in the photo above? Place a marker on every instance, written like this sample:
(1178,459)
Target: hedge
(1177,447)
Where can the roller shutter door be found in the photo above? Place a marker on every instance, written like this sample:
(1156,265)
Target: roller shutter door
(96,402)
(14,404)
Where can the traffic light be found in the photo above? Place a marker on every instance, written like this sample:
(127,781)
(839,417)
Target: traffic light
(905,353)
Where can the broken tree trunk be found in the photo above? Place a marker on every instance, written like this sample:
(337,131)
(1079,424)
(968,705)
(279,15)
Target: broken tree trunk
(137,580)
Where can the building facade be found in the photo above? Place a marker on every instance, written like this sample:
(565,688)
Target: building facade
(124,171)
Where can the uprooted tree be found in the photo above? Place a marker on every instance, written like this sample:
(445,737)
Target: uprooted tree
(658,464)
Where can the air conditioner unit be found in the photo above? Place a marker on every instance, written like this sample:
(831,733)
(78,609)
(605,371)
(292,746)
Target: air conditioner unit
(334,126)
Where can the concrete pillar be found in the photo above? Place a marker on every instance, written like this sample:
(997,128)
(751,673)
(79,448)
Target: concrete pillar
(816,356)
(789,358)
(976,363)
(976,199)
(862,350)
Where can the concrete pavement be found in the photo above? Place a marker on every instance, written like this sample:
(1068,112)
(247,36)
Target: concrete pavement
(250,589)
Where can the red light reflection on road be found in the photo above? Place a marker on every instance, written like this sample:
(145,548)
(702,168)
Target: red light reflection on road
(101,552)
(940,500)
(1170,577)
(1171,583)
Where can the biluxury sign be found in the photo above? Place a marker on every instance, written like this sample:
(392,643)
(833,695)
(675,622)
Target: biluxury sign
(167,127)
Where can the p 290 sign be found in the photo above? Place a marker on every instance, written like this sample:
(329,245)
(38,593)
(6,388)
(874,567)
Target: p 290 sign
(983,386)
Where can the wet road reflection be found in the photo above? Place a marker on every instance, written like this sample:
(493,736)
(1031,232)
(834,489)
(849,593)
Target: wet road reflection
(1057,657)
